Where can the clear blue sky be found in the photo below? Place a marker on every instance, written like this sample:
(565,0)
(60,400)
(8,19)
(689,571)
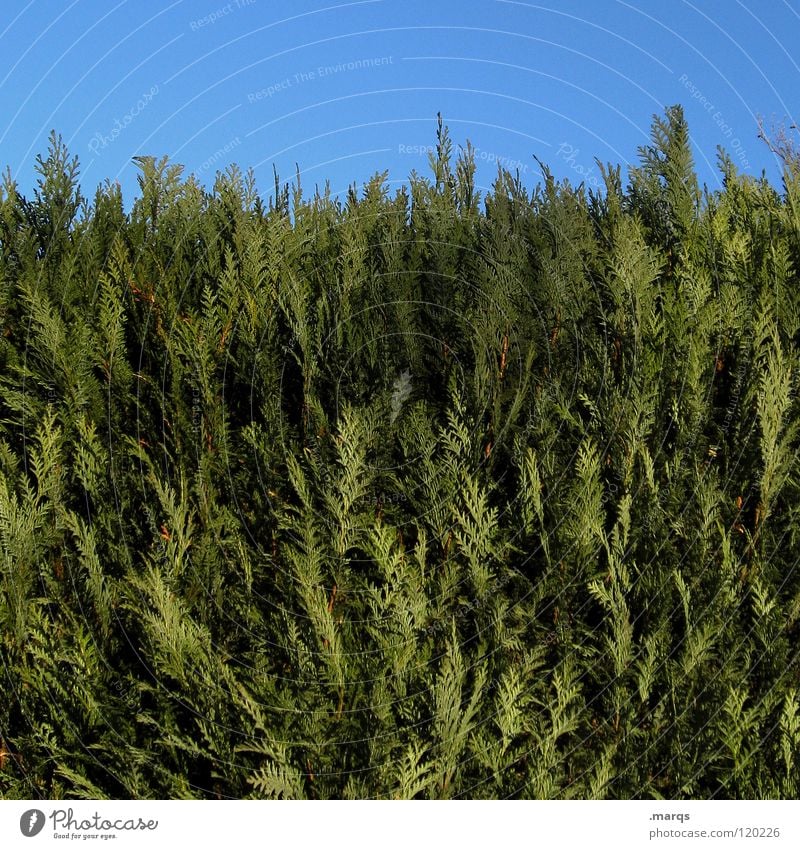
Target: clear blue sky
(345,89)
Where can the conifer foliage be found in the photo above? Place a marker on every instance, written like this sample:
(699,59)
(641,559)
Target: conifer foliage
(430,495)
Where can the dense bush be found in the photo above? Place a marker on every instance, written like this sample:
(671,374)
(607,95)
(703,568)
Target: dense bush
(430,495)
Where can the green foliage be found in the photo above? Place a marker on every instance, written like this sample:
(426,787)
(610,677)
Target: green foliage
(424,496)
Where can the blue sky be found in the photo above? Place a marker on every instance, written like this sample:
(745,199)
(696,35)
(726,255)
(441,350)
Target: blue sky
(341,90)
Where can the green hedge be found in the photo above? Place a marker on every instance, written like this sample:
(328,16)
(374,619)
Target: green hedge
(434,495)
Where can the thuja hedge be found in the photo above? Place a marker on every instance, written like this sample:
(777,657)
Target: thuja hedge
(430,494)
